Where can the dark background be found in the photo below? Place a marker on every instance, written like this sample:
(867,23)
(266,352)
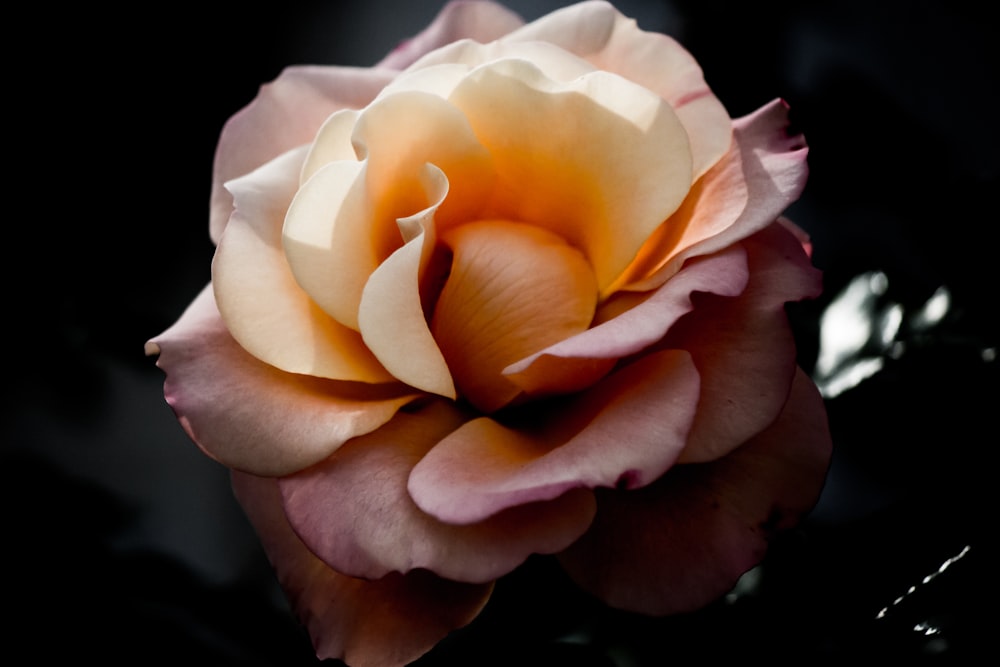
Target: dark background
(122,543)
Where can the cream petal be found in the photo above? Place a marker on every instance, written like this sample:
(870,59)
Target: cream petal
(353,510)
(624,432)
(599,33)
(260,301)
(251,416)
(513,289)
(598,160)
(389,622)
(285,114)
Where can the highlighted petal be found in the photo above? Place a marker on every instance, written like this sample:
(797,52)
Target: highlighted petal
(685,540)
(353,510)
(251,416)
(285,114)
(513,290)
(260,301)
(625,432)
(597,160)
(385,623)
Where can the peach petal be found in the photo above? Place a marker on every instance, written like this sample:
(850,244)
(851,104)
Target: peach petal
(721,210)
(367,525)
(389,622)
(573,157)
(260,301)
(624,432)
(634,329)
(285,114)
(744,347)
(478,20)
(684,541)
(513,289)
(599,33)
(251,416)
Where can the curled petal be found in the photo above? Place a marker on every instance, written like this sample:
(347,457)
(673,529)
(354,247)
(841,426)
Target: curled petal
(251,416)
(624,432)
(610,41)
(633,330)
(513,289)
(389,622)
(354,512)
(479,20)
(598,160)
(743,346)
(285,114)
(259,298)
(684,541)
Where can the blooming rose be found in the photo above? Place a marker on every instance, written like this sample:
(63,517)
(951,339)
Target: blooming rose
(517,289)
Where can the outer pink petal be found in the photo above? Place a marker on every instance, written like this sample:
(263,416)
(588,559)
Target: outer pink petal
(385,623)
(251,416)
(684,541)
(480,20)
(285,114)
(624,432)
(635,329)
(354,512)
(743,347)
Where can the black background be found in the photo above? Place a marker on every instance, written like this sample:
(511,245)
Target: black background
(122,543)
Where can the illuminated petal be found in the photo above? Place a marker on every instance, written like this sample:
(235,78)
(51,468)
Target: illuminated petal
(263,306)
(562,365)
(752,185)
(599,33)
(597,160)
(285,114)
(481,21)
(513,290)
(683,541)
(251,416)
(625,432)
(385,623)
(364,523)
(743,347)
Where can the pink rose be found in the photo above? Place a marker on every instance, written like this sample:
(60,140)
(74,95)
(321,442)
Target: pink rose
(517,289)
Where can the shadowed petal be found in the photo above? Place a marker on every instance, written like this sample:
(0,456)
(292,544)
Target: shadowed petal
(251,416)
(685,540)
(384,623)
(624,432)
(743,346)
(285,114)
(354,512)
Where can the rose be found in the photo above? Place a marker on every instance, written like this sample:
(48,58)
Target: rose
(495,298)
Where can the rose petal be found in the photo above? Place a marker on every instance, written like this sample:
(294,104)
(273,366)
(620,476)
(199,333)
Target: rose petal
(513,289)
(263,306)
(744,347)
(564,364)
(354,512)
(480,20)
(285,114)
(251,416)
(571,157)
(626,431)
(343,221)
(385,623)
(756,181)
(599,33)
(685,540)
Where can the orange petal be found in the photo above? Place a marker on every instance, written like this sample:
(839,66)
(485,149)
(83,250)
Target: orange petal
(514,289)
